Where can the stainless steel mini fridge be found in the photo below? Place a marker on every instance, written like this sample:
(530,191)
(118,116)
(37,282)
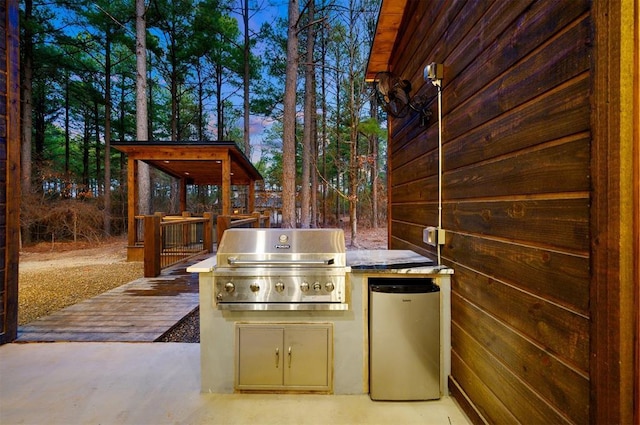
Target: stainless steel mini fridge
(404,339)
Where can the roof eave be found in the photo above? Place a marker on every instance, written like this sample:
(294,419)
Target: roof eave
(389,20)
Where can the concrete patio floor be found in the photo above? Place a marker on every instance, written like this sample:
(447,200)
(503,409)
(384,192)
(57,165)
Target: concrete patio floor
(159,383)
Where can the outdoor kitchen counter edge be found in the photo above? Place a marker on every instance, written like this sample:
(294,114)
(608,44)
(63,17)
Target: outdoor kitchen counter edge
(204,266)
(366,261)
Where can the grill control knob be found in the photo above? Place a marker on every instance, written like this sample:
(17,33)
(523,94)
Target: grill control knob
(317,287)
(229,287)
(254,287)
(329,286)
(304,286)
(279,286)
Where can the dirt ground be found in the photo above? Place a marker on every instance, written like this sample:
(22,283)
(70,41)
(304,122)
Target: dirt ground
(55,275)
(69,254)
(48,255)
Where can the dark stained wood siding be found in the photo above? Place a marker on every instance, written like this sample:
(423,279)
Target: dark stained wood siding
(9,170)
(516,195)
(3,172)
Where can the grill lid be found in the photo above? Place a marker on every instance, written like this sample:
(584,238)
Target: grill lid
(282,248)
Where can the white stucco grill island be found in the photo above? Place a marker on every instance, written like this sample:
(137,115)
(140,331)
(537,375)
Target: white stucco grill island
(347,349)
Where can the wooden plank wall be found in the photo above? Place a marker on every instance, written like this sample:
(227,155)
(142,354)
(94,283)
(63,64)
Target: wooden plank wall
(3,173)
(516,134)
(9,170)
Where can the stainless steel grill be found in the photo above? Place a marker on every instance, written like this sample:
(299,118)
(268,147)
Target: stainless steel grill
(281,269)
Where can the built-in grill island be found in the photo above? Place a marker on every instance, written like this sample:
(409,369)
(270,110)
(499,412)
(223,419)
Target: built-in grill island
(281,269)
(287,310)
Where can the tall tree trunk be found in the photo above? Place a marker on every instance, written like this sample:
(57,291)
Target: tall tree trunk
(178,118)
(353,146)
(219,104)
(323,100)
(96,125)
(85,150)
(174,196)
(67,129)
(122,162)
(151,105)
(200,119)
(173,87)
(338,138)
(353,183)
(40,104)
(309,117)
(27,107)
(314,162)
(107,135)
(314,146)
(246,78)
(375,165)
(289,121)
(142,133)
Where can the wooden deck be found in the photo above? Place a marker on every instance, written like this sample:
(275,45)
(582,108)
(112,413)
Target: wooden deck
(139,311)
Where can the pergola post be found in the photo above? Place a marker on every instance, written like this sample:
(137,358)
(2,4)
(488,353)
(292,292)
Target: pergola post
(226,185)
(252,197)
(183,194)
(132,200)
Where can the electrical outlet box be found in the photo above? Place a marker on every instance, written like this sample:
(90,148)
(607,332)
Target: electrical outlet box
(430,235)
(433,71)
(433,236)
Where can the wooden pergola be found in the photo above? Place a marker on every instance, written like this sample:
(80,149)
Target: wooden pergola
(219,163)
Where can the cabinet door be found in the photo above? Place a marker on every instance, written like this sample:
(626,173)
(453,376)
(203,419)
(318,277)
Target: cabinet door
(259,356)
(307,357)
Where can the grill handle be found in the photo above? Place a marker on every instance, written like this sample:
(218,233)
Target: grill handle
(235,262)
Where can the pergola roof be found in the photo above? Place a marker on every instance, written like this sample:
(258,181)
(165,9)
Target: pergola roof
(389,20)
(197,162)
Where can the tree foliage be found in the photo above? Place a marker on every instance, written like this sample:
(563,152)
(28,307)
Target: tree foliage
(79,73)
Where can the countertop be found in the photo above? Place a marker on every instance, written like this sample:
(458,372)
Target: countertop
(204,266)
(386,259)
(392,261)
(366,261)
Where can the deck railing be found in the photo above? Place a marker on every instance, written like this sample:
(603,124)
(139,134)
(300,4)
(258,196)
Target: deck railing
(256,219)
(171,239)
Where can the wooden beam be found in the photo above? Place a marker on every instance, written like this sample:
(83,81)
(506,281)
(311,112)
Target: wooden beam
(614,287)
(636,210)
(175,153)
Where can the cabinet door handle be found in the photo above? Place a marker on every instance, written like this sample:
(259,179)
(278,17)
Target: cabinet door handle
(289,357)
(277,357)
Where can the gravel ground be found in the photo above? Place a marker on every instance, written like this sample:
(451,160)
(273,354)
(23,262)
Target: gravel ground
(188,330)
(44,291)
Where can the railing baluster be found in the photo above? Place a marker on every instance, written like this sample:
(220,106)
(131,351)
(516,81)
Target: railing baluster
(175,239)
